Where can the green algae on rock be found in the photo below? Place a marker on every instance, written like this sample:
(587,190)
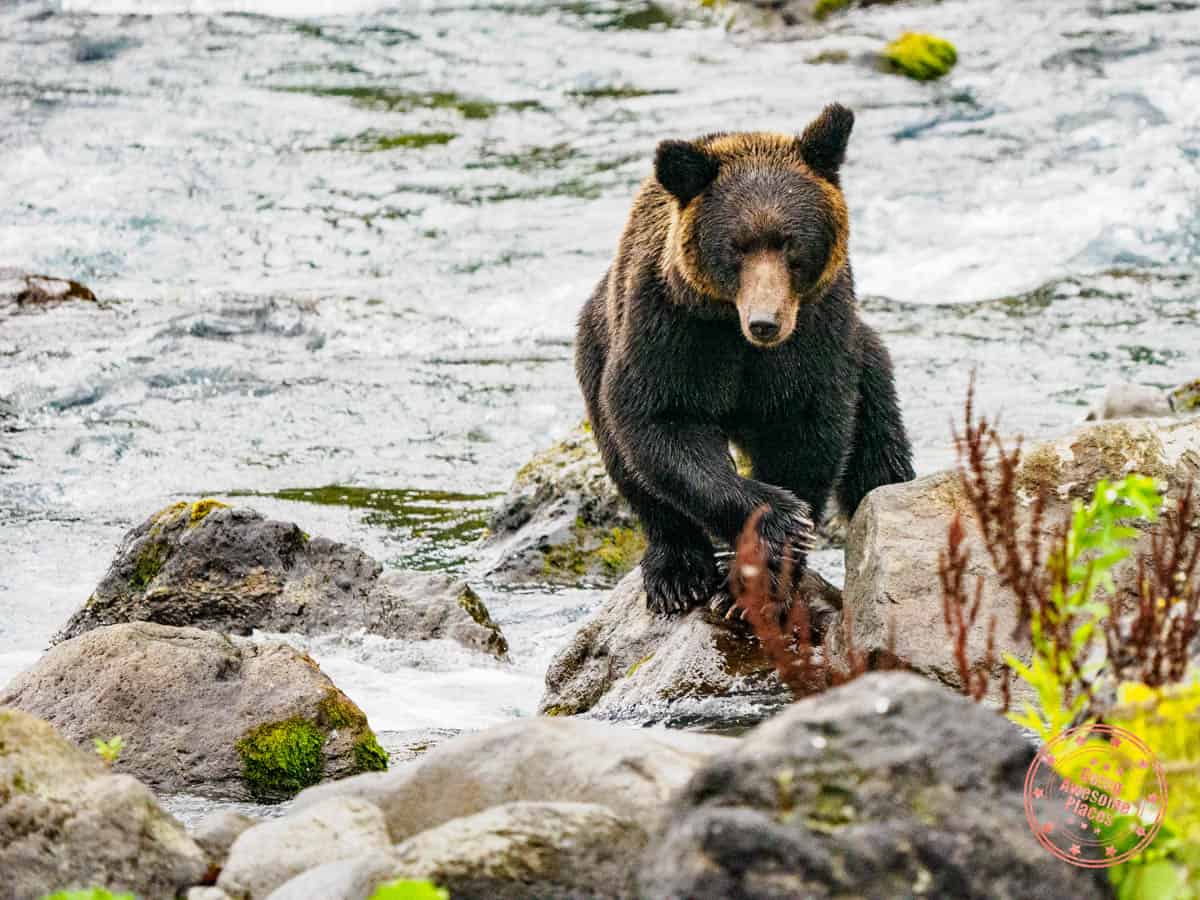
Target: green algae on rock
(282,758)
(920,56)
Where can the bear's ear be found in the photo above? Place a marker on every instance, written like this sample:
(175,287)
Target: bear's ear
(823,144)
(684,169)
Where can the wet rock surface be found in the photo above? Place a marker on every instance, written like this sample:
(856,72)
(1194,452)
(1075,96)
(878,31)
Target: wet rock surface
(272,853)
(66,820)
(233,570)
(516,851)
(892,585)
(544,760)
(199,711)
(695,670)
(890,786)
(216,832)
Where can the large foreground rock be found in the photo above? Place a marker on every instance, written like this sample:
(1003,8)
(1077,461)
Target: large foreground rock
(562,521)
(890,786)
(518,851)
(272,853)
(632,771)
(896,535)
(65,822)
(232,570)
(691,670)
(199,711)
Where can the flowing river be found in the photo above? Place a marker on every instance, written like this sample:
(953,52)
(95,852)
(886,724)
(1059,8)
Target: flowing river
(340,259)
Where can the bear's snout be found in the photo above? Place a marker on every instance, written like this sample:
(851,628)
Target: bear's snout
(766,305)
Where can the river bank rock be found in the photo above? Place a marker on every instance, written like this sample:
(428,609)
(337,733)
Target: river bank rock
(21,290)
(66,821)
(200,711)
(233,570)
(517,851)
(692,670)
(544,760)
(272,853)
(562,521)
(890,786)
(892,586)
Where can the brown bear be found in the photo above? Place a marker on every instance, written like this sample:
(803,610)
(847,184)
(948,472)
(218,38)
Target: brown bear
(728,316)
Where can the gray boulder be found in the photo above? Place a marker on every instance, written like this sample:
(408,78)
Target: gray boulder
(272,853)
(691,670)
(892,582)
(544,760)
(1132,401)
(200,711)
(232,570)
(518,851)
(66,821)
(216,832)
(890,786)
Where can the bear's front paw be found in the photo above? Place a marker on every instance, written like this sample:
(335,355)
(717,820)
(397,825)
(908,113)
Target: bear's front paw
(785,535)
(677,579)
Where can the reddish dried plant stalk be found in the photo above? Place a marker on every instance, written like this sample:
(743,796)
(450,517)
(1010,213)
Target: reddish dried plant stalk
(785,630)
(1151,644)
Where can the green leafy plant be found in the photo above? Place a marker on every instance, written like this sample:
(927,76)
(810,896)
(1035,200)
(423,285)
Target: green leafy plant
(1064,624)
(410,890)
(88,894)
(1063,584)
(109,750)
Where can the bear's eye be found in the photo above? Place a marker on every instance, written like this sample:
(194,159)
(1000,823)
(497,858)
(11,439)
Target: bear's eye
(743,245)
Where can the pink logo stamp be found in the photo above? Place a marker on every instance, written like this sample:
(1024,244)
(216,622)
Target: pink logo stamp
(1095,796)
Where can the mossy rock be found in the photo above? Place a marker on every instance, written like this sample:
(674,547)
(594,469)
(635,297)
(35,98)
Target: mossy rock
(920,56)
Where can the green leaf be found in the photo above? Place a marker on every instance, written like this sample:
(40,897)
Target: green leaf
(88,894)
(410,890)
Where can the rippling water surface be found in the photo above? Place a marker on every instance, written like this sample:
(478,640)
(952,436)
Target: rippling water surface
(340,257)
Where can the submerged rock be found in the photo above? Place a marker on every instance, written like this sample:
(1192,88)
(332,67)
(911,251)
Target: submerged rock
(1132,401)
(892,591)
(562,521)
(233,570)
(199,711)
(887,787)
(272,853)
(544,760)
(22,290)
(65,820)
(518,851)
(691,670)
(920,56)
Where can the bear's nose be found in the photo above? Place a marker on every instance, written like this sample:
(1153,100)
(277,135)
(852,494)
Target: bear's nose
(764,329)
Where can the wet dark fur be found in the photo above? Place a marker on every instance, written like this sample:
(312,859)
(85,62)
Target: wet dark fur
(669,379)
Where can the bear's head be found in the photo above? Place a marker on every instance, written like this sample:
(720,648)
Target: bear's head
(758,219)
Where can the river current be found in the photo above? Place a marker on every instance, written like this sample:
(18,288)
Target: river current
(340,258)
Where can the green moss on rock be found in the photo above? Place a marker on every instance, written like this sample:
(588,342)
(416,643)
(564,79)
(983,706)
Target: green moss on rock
(202,508)
(148,564)
(368,755)
(478,612)
(280,759)
(823,8)
(920,56)
(621,549)
(336,710)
